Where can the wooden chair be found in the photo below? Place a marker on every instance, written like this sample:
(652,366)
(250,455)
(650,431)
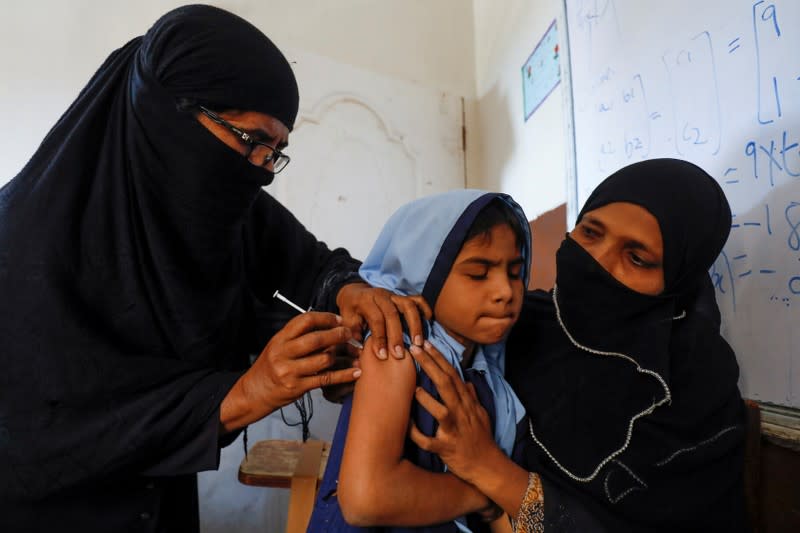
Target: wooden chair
(291,464)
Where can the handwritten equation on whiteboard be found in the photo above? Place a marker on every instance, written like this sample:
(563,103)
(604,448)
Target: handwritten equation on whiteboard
(678,107)
(728,270)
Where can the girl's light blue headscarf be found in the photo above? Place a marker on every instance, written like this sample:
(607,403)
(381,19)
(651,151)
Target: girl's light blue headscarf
(414,254)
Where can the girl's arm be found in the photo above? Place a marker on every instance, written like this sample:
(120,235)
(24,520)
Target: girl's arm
(376,485)
(464,442)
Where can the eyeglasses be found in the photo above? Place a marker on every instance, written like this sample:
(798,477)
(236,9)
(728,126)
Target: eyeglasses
(261,153)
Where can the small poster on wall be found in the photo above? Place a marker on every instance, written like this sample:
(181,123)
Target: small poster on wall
(540,73)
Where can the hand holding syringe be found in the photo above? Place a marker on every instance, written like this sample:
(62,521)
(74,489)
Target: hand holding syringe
(281,297)
(300,357)
(286,368)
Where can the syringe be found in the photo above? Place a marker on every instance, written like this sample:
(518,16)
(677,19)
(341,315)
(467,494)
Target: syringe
(281,297)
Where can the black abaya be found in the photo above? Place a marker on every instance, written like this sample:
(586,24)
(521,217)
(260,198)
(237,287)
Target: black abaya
(637,423)
(138,257)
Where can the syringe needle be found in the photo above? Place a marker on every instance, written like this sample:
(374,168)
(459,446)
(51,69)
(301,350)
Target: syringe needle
(281,297)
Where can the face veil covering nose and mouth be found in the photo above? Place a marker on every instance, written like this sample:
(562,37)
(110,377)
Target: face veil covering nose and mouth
(628,392)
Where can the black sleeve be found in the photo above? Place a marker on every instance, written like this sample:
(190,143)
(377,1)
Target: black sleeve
(156,417)
(195,429)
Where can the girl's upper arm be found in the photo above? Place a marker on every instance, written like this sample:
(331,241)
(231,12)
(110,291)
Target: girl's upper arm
(378,425)
(377,486)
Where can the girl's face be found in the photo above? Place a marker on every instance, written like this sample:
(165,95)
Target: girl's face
(482,296)
(626,240)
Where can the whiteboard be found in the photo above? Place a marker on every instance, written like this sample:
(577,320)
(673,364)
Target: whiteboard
(717,83)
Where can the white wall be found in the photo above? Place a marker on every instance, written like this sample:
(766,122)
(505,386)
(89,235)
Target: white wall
(49,49)
(505,153)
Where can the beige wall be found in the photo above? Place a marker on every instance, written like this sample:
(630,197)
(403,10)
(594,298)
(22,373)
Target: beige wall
(469,48)
(49,49)
(525,159)
(425,41)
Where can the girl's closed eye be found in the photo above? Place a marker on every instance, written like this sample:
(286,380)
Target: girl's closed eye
(478,275)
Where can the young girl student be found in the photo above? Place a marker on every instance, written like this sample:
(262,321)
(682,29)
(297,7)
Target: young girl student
(467,254)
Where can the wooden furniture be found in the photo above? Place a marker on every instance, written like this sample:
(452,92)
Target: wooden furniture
(779,488)
(772,468)
(548,230)
(290,464)
(752,462)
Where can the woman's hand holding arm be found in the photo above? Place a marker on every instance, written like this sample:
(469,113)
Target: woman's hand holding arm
(380,310)
(463,439)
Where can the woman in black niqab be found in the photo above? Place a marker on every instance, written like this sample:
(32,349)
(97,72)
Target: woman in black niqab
(636,421)
(138,257)
(633,399)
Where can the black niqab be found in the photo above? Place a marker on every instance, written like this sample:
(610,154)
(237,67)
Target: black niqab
(633,399)
(695,219)
(138,254)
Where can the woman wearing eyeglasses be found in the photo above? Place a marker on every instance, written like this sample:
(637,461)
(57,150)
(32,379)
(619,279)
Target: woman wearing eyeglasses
(138,259)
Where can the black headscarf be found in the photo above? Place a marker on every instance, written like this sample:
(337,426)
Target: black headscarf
(137,252)
(633,398)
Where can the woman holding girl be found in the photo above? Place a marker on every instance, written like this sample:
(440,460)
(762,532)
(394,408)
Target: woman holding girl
(635,419)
